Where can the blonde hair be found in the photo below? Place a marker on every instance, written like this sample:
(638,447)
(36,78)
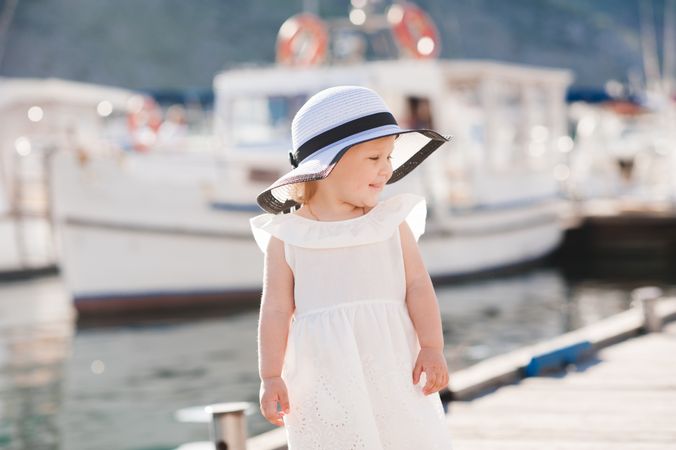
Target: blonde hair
(304,191)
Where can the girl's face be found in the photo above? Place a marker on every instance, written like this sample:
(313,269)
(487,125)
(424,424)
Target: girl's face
(361,173)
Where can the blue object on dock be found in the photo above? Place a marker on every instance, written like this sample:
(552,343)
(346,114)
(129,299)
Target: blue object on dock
(556,359)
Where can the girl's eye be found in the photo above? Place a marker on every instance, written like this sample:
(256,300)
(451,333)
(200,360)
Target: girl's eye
(376,157)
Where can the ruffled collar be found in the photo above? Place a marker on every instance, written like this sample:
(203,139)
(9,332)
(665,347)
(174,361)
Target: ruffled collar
(377,224)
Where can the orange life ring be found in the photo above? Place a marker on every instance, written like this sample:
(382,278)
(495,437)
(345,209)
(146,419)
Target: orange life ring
(144,119)
(414,30)
(302,40)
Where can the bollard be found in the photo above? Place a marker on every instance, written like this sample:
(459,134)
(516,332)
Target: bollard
(228,425)
(647,298)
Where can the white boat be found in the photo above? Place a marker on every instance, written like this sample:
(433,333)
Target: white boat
(39,116)
(624,158)
(623,154)
(170,227)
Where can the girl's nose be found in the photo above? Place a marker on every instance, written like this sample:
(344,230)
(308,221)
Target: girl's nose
(386,168)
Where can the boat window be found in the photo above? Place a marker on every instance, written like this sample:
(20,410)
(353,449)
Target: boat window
(263,121)
(539,121)
(419,114)
(510,123)
(467,115)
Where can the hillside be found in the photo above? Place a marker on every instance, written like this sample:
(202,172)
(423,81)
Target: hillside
(181,44)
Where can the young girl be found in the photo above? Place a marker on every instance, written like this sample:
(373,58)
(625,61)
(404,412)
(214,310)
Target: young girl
(350,337)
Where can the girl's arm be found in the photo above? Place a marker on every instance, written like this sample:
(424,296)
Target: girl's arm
(424,311)
(277,307)
(420,297)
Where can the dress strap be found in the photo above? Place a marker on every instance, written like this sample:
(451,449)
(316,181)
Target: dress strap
(379,224)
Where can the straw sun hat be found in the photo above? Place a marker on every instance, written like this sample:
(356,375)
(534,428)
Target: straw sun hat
(332,121)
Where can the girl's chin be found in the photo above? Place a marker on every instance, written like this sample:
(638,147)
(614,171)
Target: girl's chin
(372,200)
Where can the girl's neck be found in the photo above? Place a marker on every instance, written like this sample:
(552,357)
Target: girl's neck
(327,217)
(325,205)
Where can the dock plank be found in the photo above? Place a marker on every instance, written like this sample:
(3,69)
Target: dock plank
(624,399)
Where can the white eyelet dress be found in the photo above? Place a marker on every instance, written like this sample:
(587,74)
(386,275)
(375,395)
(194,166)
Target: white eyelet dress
(352,346)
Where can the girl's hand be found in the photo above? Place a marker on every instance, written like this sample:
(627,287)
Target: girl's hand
(433,363)
(273,390)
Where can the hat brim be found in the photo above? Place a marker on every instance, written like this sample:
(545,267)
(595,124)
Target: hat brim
(410,149)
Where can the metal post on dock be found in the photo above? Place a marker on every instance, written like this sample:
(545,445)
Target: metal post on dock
(228,425)
(646,298)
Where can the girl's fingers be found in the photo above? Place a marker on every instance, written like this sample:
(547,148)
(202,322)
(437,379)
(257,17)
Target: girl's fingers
(275,418)
(270,406)
(440,381)
(431,382)
(269,411)
(443,379)
(284,403)
(437,380)
(416,373)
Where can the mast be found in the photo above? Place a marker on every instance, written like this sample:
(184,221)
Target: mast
(5,21)
(669,47)
(649,46)
(311,6)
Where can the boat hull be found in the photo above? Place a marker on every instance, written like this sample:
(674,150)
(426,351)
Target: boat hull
(137,266)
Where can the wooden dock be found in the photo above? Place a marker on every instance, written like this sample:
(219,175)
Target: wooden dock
(624,398)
